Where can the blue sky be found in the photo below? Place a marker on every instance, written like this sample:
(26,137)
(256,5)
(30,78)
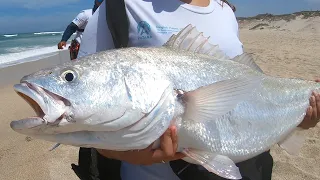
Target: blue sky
(18,16)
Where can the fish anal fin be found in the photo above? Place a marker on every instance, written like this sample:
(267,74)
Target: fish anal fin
(220,165)
(214,100)
(247,59)
(190,39)
(293,143)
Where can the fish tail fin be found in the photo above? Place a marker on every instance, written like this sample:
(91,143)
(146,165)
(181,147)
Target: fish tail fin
(215,163)
(293,143)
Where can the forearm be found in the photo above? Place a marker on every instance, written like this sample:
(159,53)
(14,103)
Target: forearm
(110,154)
(72,28)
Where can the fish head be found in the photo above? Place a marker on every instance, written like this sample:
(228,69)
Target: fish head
(70,93)
(93,96)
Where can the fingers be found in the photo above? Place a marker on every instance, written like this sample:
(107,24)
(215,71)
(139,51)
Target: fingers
(166,143)
(314,107)
(308,114)
(60,45)
(318,106)
(175,145)
(174,139)
(307,118)
(313,112)
(148,156)
(168,147)
(315,103)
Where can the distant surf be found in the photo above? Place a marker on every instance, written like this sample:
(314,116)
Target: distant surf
(42,33)
(16,48)
(10,35)
(25,56)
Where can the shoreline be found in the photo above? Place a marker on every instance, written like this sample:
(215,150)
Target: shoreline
(14,72)
(22,157)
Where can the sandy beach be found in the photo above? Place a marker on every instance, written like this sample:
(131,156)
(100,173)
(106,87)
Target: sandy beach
(22,157)
(291,50)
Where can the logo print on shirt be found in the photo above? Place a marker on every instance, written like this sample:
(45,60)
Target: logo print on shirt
(144,30)
(162,29)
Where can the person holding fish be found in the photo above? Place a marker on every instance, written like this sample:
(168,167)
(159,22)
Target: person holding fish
(166,24)
(216,19)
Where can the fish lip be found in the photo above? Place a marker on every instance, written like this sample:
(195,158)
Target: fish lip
(34,96)
(29,123)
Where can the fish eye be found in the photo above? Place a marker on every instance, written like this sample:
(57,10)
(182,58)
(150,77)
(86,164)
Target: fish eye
(69,75)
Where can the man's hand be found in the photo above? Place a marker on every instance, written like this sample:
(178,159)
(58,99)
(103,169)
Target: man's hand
(313,112)
(148,156)
(61,44)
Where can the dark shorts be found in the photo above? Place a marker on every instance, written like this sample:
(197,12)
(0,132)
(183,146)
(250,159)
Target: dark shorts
(93,166)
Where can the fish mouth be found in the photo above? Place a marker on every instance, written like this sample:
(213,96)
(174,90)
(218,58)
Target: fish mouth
(49,107)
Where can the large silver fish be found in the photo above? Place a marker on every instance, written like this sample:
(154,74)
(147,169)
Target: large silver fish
(226,110)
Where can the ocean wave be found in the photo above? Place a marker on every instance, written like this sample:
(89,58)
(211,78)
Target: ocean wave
(45,33)
(27,55)
(21,49)
(10,35)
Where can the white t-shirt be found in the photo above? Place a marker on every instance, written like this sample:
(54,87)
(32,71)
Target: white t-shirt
(151,24)
(81,20)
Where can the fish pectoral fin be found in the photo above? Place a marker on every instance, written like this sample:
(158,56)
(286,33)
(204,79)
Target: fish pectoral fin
(190,39)
(213,101)
(247,59)
(293,142)
(215,163)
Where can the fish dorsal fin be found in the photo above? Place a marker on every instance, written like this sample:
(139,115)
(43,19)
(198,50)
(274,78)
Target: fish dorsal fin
(190,39)
(247,59)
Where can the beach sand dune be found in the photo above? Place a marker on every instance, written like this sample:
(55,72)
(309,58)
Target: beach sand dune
(286,53)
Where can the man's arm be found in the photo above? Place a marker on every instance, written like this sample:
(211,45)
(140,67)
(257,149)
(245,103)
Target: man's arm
(167,151)
(72,28)
(79,21)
